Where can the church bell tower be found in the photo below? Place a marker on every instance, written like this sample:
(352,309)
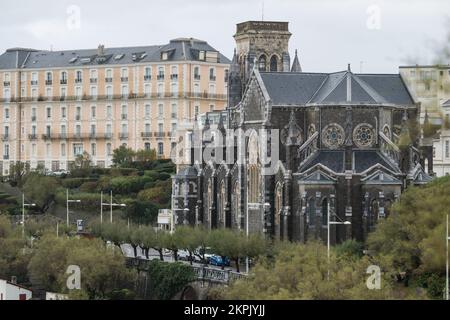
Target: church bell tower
(263,42)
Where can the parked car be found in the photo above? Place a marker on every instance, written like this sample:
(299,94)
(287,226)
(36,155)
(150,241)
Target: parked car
(216,260)
(183,255)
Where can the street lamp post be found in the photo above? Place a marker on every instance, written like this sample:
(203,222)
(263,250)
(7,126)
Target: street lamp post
(328,235)
(111,205)
(67,205)
(23,212)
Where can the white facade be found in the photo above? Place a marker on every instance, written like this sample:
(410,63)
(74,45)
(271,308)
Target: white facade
(165,220)
(11,291)
(441,154)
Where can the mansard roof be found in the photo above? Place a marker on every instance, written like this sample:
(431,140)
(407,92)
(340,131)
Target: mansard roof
(345,87)
(181,49)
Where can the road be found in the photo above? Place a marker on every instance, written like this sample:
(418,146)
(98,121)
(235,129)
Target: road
(168,257)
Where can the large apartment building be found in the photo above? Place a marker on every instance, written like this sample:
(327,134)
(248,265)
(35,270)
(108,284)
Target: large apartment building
(429,85)
(56,105)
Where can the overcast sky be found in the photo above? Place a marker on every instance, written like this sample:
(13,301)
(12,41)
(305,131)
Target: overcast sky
(328,33)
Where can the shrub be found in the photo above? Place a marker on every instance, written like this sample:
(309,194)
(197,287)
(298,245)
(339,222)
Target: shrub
(89,186)
(73,183)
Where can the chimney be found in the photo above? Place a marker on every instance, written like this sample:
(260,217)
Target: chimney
(101,50)
(14,280)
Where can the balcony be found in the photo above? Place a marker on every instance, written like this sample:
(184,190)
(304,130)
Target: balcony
(78,117)
(47,136)
(5,137)
(34,82)
(32,136)
(123,135)
(160,134)
(63,81)
(108,135)
(124,79)
(173,115)
(212,78)
(93,135)
(78,80)
(160,77)
(93,80)
(108,80)
(197,77)
(48,82)
(124,116)
(174,76)
(147,78)
(63,136)
(33,118)
(146,134)
(6,83)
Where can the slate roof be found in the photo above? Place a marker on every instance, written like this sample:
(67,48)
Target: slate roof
(343,87)
(187,172)
(364,159)
(181,49)
(333,159)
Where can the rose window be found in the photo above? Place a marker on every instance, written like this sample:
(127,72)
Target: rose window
(363,135)
(333,136)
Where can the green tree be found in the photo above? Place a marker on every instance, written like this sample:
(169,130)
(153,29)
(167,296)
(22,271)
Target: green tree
(300,271)
(123,157)
(41,190)
(18,172)
(167,279)
(146,155)
(412,237)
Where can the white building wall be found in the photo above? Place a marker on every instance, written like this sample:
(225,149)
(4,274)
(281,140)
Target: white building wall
(10,291)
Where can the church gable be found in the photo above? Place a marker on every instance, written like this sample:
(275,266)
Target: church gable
(418,175)
(318,176)
(380,177)
(254,102)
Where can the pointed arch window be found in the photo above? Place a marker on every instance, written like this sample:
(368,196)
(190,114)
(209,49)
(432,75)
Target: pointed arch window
(236,198)
(312,212)
(278,208)
(274,64)
(262,62)
(253,169)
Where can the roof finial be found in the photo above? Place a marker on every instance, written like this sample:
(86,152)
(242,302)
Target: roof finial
(348,68)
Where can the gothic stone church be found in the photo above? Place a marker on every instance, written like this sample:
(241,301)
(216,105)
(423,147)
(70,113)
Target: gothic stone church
(337,148)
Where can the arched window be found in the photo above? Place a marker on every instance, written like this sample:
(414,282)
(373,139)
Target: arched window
(325,212)
(373,217)
(278,209)
(274,64)
(221,205)
(312,212)
(253,169)
(209,201)
(262,63)
(236,198)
